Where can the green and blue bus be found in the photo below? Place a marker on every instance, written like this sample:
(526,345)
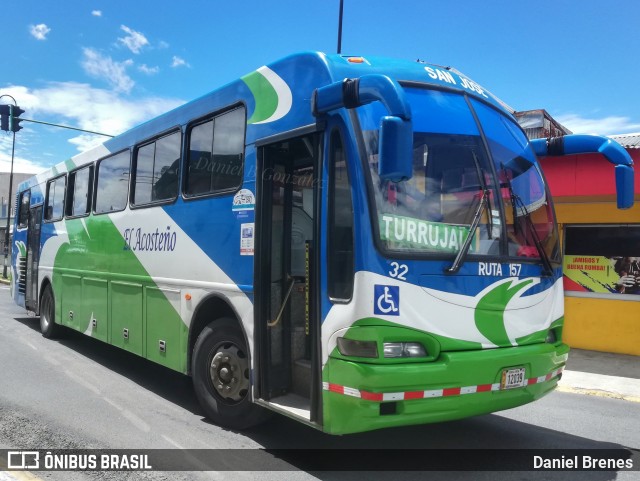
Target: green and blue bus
(354,242)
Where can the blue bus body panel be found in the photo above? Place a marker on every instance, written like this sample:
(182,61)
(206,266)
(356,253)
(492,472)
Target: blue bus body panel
(278,100)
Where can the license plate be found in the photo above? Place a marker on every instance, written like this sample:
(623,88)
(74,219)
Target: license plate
(512,378)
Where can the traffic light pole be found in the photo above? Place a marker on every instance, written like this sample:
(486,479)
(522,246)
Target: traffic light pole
(7,249)
(10,122)
(6,233)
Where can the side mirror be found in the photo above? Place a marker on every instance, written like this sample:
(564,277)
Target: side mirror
(624,186)
(395,146)
(395,149)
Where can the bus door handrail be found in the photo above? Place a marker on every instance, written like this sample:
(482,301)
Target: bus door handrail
(275,322)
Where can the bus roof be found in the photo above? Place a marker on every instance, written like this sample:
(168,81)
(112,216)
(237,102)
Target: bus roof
(278,99)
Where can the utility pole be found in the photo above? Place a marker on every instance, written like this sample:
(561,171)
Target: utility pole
(340,27)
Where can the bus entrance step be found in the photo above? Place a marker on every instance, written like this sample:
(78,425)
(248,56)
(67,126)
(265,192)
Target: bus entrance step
(302,377)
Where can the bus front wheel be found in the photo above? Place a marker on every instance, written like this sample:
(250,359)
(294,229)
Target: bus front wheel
(48,326)
(221,376)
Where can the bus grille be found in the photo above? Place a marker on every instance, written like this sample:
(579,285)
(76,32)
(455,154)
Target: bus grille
(22,275)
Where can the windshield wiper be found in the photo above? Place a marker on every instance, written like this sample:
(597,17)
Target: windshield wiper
(483,185)
(462,253)
(546,262)
(515,200)
(484,204)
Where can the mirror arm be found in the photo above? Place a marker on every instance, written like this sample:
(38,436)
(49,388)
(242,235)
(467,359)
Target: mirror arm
(352,93)
(594,144)
(583,144)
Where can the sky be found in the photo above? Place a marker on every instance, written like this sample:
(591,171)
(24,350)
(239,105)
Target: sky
(109,65)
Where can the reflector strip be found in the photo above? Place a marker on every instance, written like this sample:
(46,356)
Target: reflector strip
(433,393)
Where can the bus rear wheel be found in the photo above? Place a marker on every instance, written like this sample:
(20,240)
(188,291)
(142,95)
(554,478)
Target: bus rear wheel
(48,326)
(220,369)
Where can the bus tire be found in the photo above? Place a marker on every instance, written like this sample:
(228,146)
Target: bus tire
(48,326)
(220,371)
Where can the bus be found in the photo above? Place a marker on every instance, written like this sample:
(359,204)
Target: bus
(354,242)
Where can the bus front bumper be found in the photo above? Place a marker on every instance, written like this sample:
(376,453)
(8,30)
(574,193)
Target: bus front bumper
(360,396)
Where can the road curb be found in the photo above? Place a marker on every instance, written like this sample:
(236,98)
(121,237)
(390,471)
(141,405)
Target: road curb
(597,392)
(614,387)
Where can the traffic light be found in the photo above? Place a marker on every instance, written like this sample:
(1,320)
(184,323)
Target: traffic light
(4,117)
(14,118)
(10,118)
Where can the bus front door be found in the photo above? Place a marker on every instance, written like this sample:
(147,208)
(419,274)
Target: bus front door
(285,270)
(33,257)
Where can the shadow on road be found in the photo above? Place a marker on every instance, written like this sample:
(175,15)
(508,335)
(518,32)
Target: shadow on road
(164,382)
(295,444)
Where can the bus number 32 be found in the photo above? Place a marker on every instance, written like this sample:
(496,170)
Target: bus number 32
(399,271)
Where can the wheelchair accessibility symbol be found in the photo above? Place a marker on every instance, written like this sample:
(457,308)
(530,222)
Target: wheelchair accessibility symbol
(386,300)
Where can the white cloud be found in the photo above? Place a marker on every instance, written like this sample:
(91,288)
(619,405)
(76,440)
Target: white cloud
(602,126)
(97,13)
(99,66)
(67,103)
(179,62)
(85,142)
(109,112)
(39,31)
(144,68)
(21,165)
(134,41)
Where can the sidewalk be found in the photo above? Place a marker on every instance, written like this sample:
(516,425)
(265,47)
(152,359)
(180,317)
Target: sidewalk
(602,374)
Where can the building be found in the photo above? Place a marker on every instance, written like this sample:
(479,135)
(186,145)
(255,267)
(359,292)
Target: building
(601,246)
(538,124)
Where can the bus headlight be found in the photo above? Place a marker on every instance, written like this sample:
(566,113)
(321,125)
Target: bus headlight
(349,347)
(551,337)
(404,349)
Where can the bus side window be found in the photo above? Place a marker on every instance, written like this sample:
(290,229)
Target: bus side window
(79,192)
(55,199)
(156,170)
(112,183)
(340,242)
(23,214)
(216,154)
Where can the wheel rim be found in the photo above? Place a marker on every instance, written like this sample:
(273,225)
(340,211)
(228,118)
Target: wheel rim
(229,372)
(45,317)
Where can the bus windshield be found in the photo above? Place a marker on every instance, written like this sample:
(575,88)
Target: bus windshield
(458,174)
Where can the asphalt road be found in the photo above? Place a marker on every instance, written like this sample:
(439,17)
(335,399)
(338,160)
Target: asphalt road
(79,393)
